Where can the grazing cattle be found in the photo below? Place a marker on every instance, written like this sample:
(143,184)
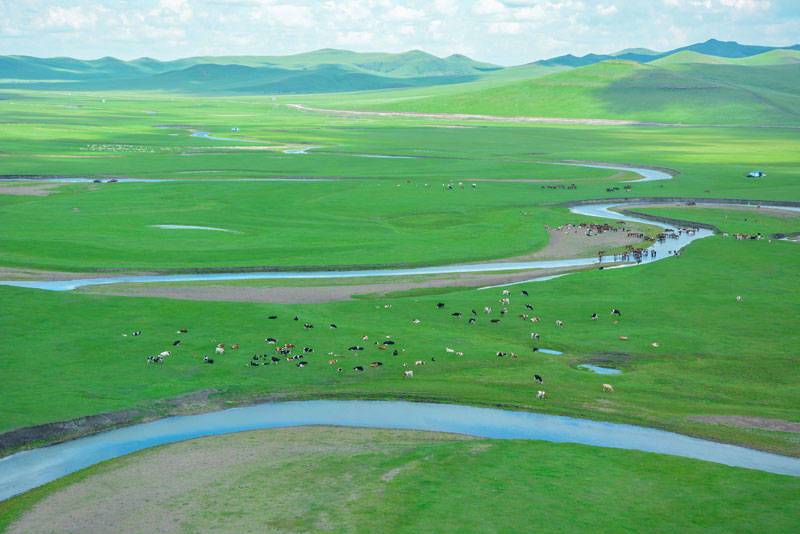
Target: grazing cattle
(254,363)
(155,359)
(419,362)
(295,318)
(308,326)
(355,347)
(416,321)
(183,331)
(541,394)
(219,350)
(456,314)
(271,340)
(471,320)
(164,354)
(529,307)
(381,347)
(594,317)
(339,369)
(623,338)
(506,292)
(524,293)
(448,349)
(395,352)
(308,350)
(272,317)
(388,342)
(176,342)
(535,319)
(608,388)
(504,311)
(301,364)
(505,301)
(487,309)
(333,325)
(333,362)
(494,321)
(275,359)
(364,338)
(235,346)
(738,298)
(654,344)
(535,335)
(440,305)
(499,354)
(615,311)
(375,365)
(358,368)
(538,379)
(206,359)
(137,333)
(559,323)
(408,374)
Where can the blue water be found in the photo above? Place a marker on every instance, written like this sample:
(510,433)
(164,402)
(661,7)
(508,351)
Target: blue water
(600,370)
(29,469)
(601,210)
(550,351)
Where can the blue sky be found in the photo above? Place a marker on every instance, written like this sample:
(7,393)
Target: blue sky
(500,31)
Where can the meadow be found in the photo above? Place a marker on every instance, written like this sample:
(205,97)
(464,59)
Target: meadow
(71,354)
(401,481)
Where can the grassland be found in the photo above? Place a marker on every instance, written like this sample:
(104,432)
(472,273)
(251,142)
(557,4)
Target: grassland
(399,481)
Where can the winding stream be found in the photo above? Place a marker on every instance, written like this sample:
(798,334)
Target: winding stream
(28,469)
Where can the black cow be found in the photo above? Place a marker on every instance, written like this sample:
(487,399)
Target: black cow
(528,306)
(206,359)
(176,342)
(525,293)
(358,368)
(333,326)
(538,379)
(272,317)
(471,320)
(615,311)
(440,305)
(456,314)
(495,320)
(275,359)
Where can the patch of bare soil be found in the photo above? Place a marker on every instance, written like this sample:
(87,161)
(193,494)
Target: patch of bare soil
(32,190)
(312,294)
(241,482)
(490,118)
(744,421)
(573,242)
(12,273)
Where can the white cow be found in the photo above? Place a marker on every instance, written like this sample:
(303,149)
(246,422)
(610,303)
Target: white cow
(408,374)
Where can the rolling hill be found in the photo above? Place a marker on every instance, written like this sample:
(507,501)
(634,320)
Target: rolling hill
(616,89)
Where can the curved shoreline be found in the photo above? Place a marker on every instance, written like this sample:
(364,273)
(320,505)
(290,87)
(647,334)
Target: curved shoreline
(29,469)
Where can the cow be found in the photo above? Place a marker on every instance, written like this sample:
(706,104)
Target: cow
(559,323)
(440,305)
(272,317)
(235,346)
(594,317)
(164,354)
(654,344)
(375,365)
(541,394)
(137,333)
(538,378)
(355,348)
(408,374)
(506,292)
(308,350)
(358,368)
(219,350)
(456,314)
(623,338)
(494,321)
(339,369)
(301,364)
(487,309)
(332,325)
(448,349)
(524,293)
(738,298)
(271,340)
(535,335)
(176,342)
(308,326)
(529,307)
(206,359)
(333,362)
(275,359)
(608,388)
(419,362)
(388,342)
(472,320)
(616,312)
(183,331)
(416,321)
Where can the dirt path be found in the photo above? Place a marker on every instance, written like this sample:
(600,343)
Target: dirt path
(30,190)
(490,118)
(310,294)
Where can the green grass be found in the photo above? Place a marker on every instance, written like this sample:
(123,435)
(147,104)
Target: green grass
(354,480)
(709,94)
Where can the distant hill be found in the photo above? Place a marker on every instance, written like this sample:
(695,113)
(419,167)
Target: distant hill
(334,70)
(326,70)
(680,93)
(710,48)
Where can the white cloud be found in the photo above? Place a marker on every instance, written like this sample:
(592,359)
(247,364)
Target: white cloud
(68,19)
(404,14)
(505,28)
(290,15)
(489,7)
(605,10)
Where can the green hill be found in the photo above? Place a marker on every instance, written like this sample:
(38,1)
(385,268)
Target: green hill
(699,93)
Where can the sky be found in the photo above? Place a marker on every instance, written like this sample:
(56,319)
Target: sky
(505,32)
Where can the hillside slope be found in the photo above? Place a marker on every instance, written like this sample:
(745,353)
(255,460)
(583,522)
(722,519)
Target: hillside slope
(699,94)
